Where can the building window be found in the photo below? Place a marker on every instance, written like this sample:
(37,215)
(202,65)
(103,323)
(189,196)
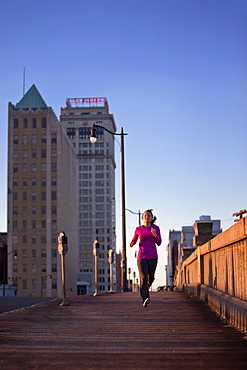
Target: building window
(53,210)
(24,267)
(53,167)
(34,153)
(84,132)
(99,191)
(54,152)
(24,195)
(43,181)
(15,139)
(99,175)
(24,167)
(15,210)
(34,139)
(24,284)
(33,210)
(15,123)
(43,167)
(33,167)
(25,123)
(43,210)
(43,224)
(34,122)
(24,139)
(15,182)
(53,253)
(33,253)
(33,239)
(15,225)
(43,139)
(53,195)
(34,196)
(54,284)
(54,224)
(44,286)
(71,133)
(15,268)
(24,224)
(24,154)
(15,154)
(15,196)
(15,239)
(15,167)
(99,168)
(33,224)
(43,153)
(33,182)
(43,123)
(43,268)
(53,138)
(43,253)
(53,181)
(34,284)
(43,239)
(43,195)
(24,210)
(54,267)
(24,182)
(24,253)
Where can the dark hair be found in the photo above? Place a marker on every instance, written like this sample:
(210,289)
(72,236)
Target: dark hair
(154,218)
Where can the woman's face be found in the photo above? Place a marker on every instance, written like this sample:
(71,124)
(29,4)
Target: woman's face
(147,218)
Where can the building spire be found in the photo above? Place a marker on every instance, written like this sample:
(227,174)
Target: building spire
(31,100)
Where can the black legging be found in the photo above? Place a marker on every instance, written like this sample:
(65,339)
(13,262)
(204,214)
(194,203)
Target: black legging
(146,271)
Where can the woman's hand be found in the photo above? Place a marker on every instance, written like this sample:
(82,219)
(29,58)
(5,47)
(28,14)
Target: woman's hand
(153,231)
(131,245)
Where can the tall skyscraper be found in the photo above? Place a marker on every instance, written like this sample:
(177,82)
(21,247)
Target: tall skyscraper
(41,199)
(96,186)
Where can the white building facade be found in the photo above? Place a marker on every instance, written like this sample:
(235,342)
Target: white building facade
(96,187)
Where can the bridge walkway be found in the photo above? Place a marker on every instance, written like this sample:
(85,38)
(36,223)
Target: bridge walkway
(114,331)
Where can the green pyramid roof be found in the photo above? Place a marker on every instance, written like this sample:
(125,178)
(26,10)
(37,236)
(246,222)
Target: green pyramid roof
(32,99)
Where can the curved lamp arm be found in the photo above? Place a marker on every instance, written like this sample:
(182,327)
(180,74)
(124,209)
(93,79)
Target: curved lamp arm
(93,136)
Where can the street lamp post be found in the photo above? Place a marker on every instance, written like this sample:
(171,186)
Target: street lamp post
(129,272)
(136,213)
(96,252)
(134,285)
(63,250)
(93,138)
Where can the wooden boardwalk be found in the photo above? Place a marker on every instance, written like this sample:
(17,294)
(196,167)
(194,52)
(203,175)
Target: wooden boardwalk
(114,331)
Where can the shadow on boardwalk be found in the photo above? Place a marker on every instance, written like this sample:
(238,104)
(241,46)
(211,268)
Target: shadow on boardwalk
(114,331)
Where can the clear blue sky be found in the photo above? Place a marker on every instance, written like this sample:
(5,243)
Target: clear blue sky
(174,73)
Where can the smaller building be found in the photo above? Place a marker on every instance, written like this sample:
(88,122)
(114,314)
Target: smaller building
(182,243)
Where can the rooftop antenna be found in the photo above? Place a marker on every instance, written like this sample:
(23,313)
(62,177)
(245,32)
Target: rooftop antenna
(23,81)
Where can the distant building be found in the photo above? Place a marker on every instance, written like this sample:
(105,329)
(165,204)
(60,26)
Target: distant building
(41,199)
(96,187)
(180,246)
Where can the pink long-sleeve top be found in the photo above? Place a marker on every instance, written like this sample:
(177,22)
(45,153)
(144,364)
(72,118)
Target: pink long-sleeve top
(147,242)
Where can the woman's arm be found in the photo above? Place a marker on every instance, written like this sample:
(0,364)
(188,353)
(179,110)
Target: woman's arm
(134,240)
(156,234)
